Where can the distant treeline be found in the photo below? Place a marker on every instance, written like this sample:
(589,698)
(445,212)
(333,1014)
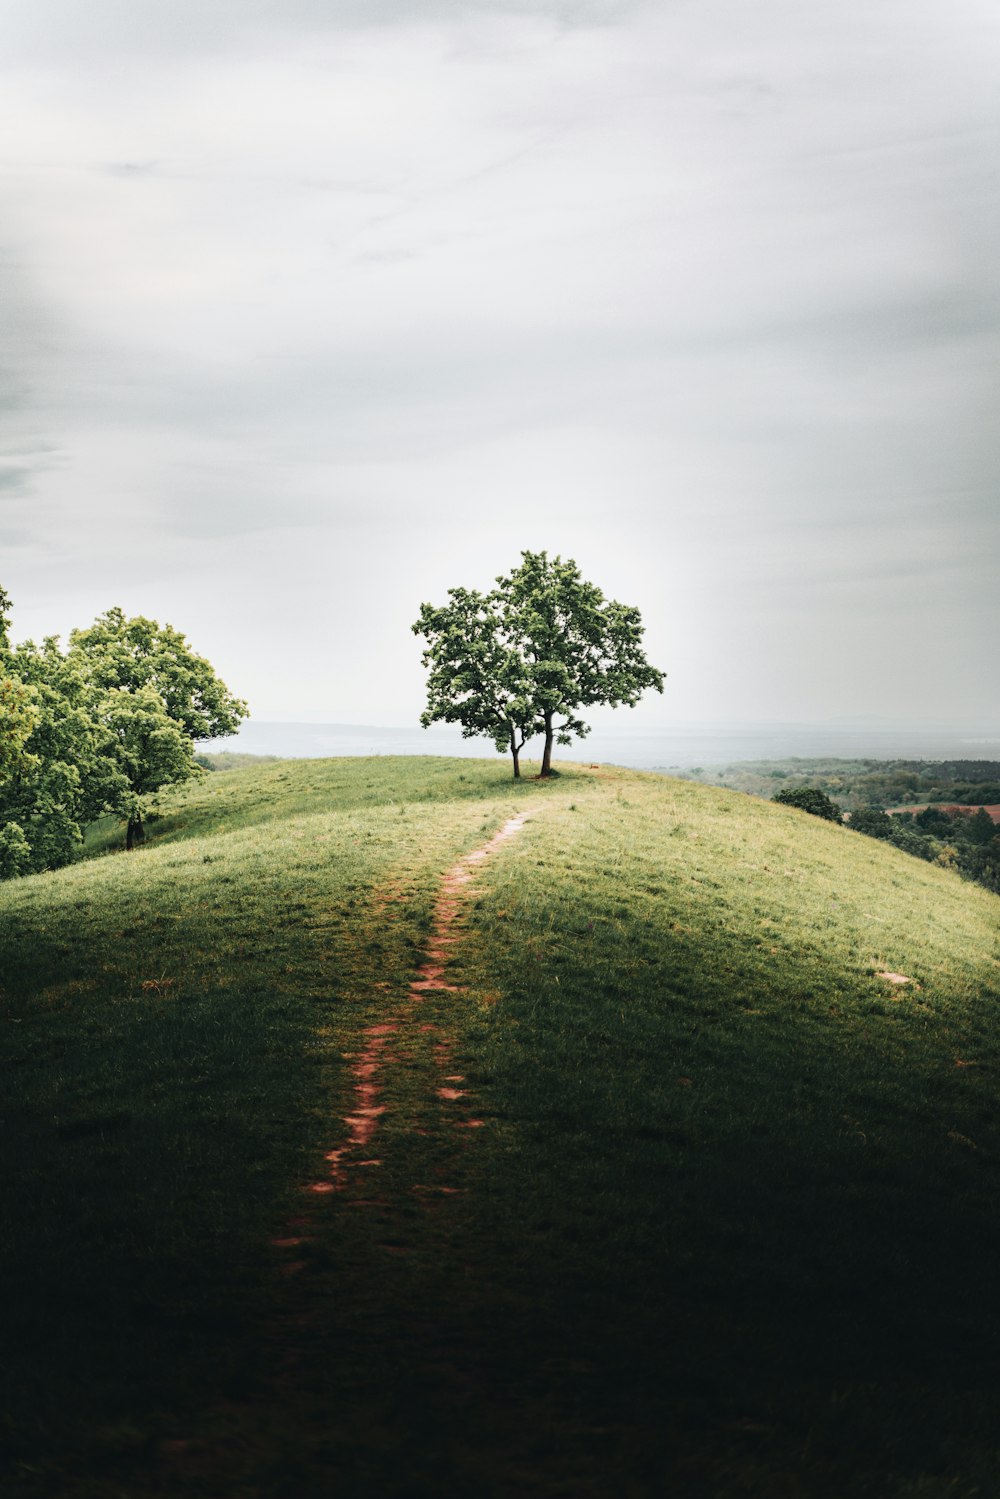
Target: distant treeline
(966,842)
(864,783)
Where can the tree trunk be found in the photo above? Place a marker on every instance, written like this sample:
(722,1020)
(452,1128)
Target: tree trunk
(135,832)
(547,754)
(515,750)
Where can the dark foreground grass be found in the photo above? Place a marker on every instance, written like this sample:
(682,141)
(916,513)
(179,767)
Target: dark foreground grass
(758,1182)
(172,1028)
(730,1226)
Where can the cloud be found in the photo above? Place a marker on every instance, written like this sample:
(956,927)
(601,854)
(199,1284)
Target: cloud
(105,32)
(13,477)
(707,294)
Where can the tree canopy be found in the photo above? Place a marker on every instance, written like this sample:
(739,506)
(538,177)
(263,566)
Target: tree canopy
(18,717)
(96,729)
(18,708)
(132,654)
(809,799)
(525,658)
(871,820)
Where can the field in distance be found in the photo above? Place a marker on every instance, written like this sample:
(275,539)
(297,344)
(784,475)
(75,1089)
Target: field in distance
(683,1179)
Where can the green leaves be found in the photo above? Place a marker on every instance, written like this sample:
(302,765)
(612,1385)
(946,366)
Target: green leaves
(15,851)
(477,678)
(18,717)
(151,749)
(541,645)
(808,799)
(130,654)
(96,729)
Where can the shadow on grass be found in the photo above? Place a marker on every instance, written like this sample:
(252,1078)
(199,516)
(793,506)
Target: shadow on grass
(756,1200)
(729,1229)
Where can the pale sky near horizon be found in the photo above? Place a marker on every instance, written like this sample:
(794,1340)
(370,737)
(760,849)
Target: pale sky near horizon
(312,310)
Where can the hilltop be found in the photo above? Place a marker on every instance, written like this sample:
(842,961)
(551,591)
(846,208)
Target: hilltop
(657,1151)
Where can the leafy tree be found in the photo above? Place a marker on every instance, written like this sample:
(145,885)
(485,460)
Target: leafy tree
(4,623)
(68,775)
(582,649)
(538,648)
(155,698)
(18,717)
(149,748)
(982,863)
(808,799)
(979,827)
(18,711)
(477,677)
(15,851)
(873,821)
(130,654)
(114,718)
(932,820)
(906,838)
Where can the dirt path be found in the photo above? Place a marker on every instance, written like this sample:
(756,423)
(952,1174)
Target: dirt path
(366,1263)
(354,1159)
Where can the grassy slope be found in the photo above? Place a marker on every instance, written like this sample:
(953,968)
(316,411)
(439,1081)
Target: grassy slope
(730,1225)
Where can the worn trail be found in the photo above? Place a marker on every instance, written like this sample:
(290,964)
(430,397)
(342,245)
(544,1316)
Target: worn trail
(355,1157)
(360,1295)
(356,1284)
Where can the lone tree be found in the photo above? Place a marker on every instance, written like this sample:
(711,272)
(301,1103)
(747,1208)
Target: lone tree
(536,649)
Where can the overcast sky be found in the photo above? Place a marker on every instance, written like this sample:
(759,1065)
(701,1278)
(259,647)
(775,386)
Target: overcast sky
(312,310)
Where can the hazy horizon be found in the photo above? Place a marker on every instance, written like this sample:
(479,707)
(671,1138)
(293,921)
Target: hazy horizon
(638,745)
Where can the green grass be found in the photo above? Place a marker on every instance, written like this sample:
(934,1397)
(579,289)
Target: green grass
(729,1228)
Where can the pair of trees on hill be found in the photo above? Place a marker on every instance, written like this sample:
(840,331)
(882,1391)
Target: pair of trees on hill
(523,659)
(96,728)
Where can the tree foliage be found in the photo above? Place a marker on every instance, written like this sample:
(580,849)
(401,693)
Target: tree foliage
(866,782)
(538,648)
(873,821)
(18,717)
(132,654)
(18,710)
(103,725)
(968,842)
(808,799)
(478,678)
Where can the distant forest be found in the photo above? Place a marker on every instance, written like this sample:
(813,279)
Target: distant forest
(930,791)
(864,783)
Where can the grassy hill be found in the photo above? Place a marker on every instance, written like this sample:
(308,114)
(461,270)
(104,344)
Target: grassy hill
(713,1209)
